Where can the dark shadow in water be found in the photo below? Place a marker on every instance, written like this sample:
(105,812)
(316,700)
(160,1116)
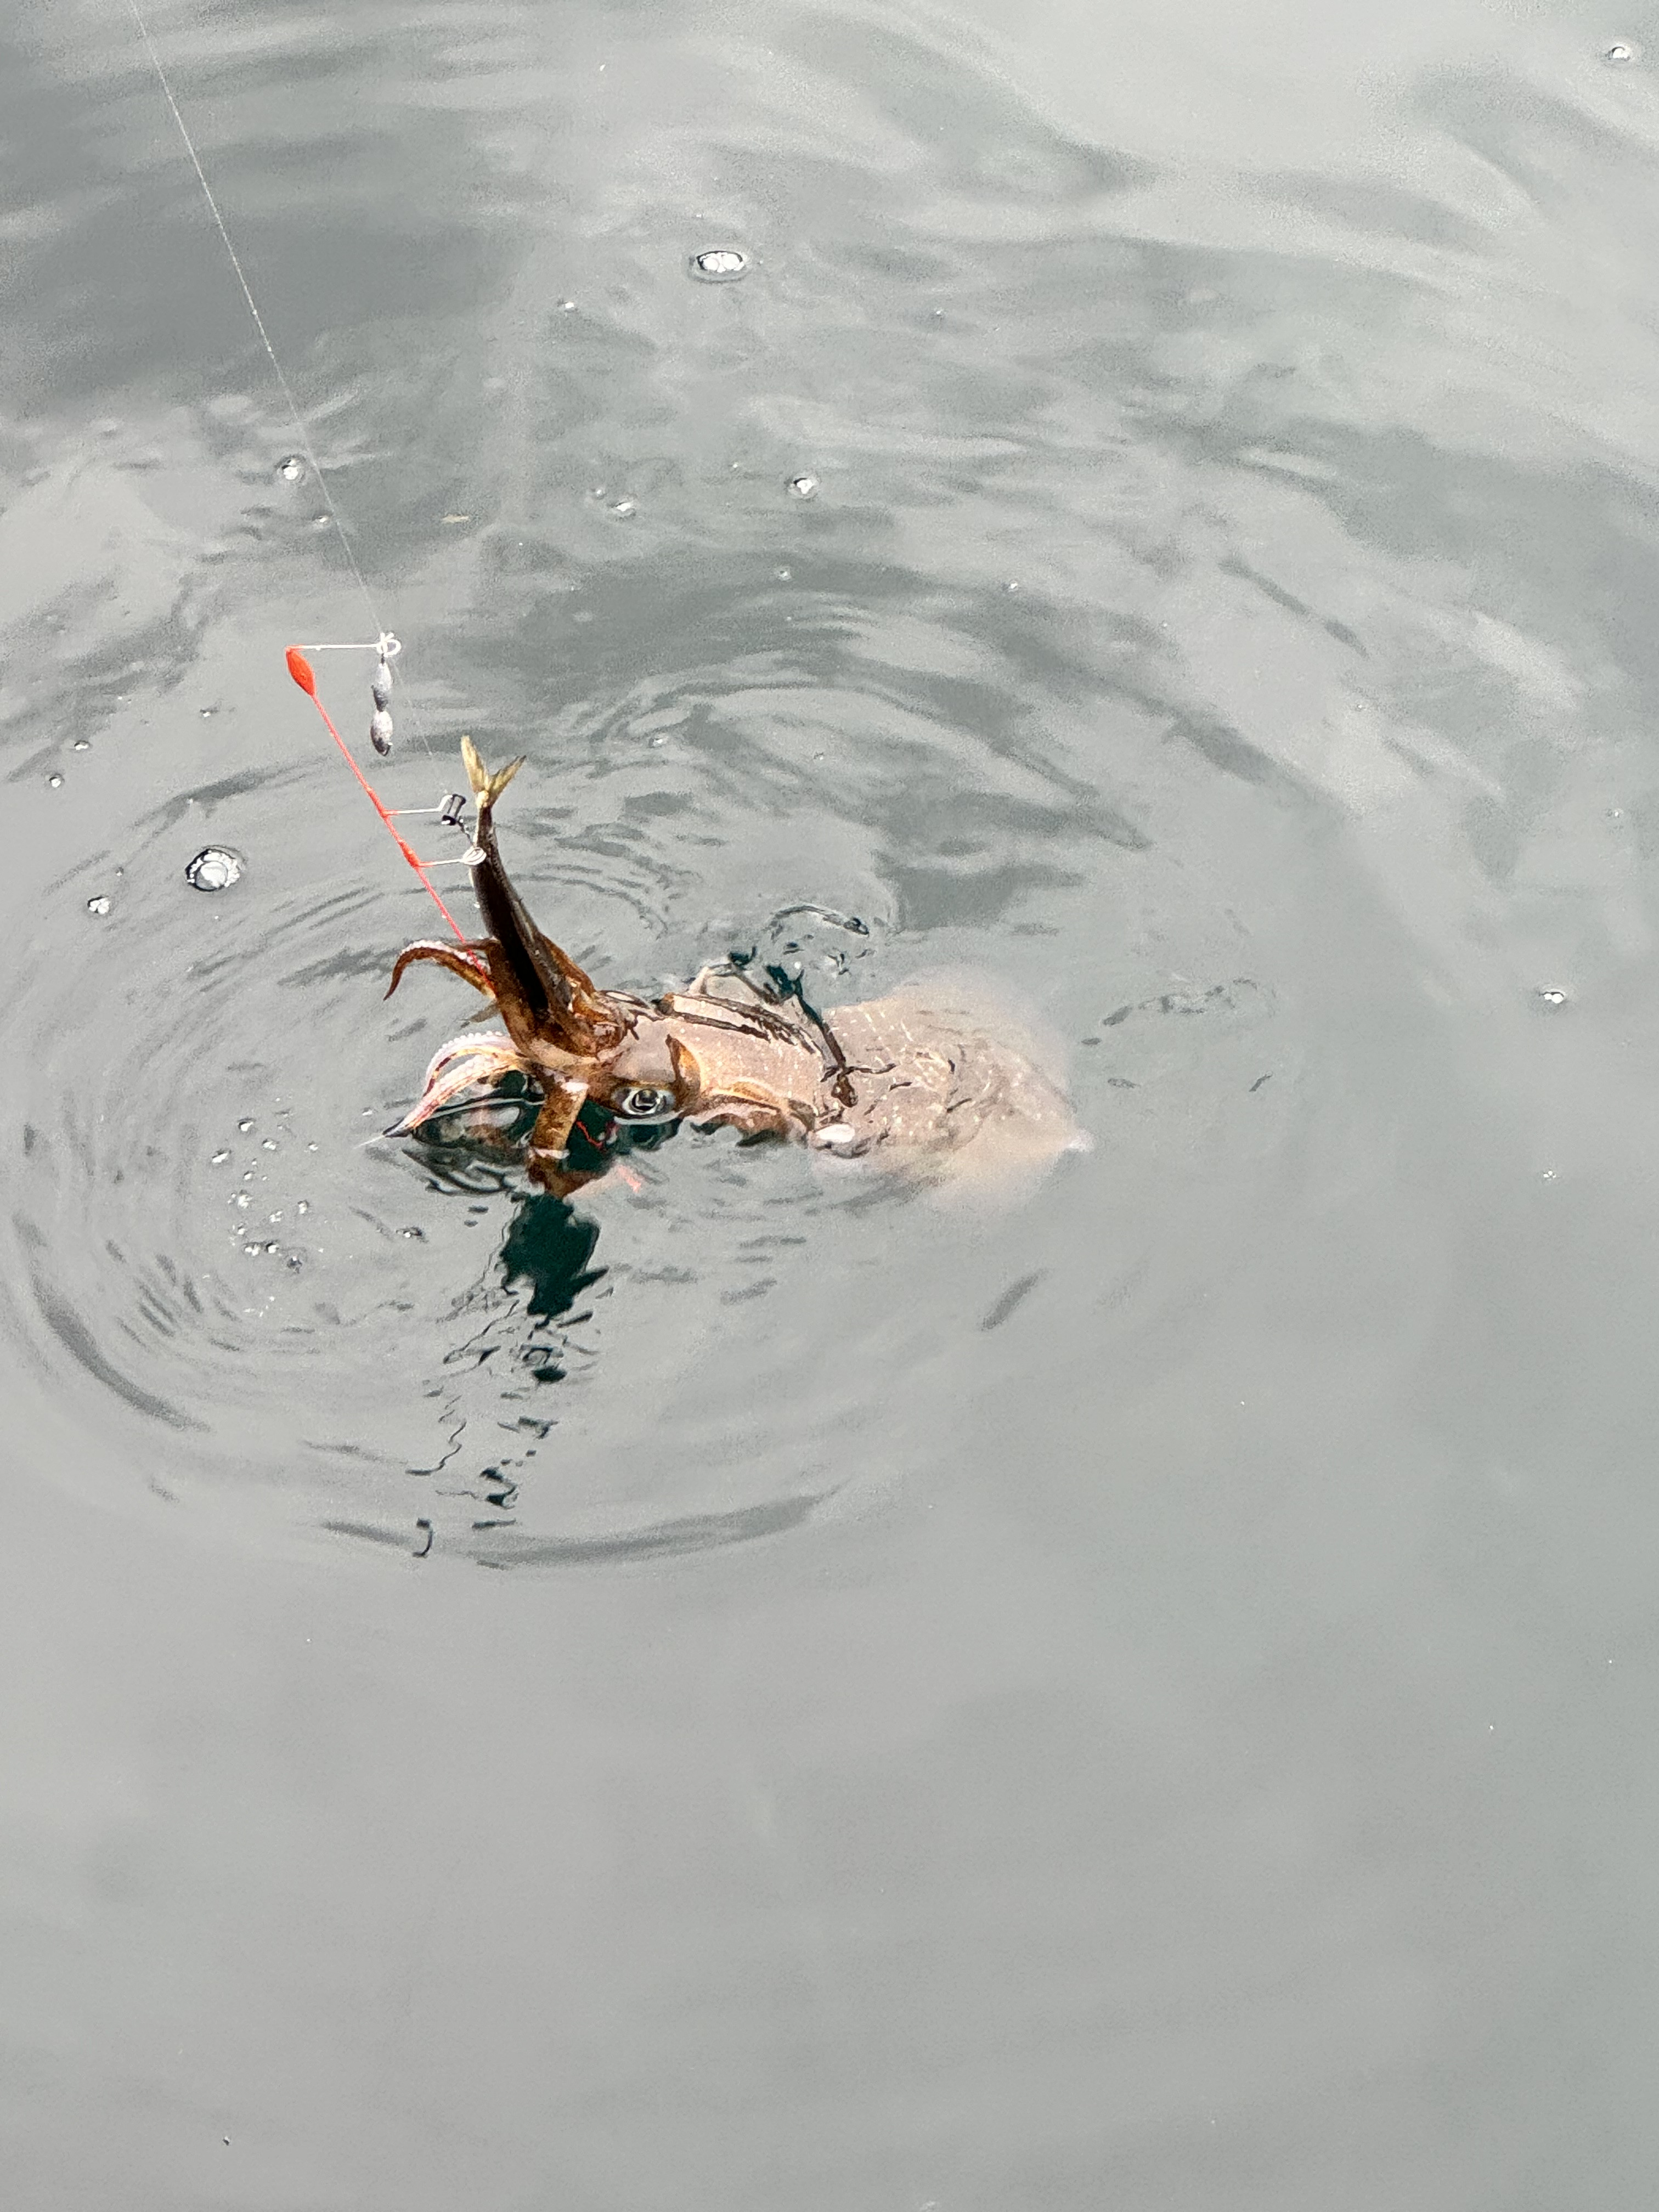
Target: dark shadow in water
(547,1245)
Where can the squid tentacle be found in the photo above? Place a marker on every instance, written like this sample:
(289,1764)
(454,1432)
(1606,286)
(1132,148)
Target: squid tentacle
(467,961)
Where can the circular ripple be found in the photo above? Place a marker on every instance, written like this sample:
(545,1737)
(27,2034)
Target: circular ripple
(719,264)
(214,868)
(247,1295)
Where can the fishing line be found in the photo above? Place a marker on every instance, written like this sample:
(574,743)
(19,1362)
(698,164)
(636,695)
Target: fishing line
(282,385)
(386,646)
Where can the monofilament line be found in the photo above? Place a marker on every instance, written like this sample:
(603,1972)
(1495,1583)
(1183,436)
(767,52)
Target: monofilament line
(282,385)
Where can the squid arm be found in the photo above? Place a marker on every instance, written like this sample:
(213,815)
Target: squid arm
(550,1138)
(460,1067)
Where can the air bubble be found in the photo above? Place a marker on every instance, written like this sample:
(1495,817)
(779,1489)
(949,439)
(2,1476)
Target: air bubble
(803,487)
(304,1206)
(417,1235)
(719,264)
(82,745)
(54,783)
(246,1126)
(567,306)
(622,508)
(1551,998)
(1620,53)
(253,1250)
(219,1160)
(270,1145)
(243,1200)
(291,467)
(99,905)
(214,868)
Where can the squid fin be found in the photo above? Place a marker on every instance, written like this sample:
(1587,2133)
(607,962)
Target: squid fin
(486,786)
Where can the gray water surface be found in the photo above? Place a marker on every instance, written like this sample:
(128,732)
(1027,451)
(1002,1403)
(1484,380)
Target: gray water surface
(756,1689)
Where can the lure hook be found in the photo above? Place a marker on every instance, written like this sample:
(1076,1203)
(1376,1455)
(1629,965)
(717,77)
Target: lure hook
(303,674)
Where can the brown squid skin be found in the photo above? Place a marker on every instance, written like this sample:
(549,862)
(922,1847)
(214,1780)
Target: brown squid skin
(918,1079)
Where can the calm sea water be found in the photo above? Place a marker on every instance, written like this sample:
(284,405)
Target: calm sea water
(756,1690)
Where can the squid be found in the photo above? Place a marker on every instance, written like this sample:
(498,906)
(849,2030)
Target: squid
(916,1080)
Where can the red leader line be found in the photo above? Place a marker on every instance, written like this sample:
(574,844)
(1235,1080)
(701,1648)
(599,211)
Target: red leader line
(301,670)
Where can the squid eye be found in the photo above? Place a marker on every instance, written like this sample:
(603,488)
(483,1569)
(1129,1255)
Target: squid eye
(644,1102)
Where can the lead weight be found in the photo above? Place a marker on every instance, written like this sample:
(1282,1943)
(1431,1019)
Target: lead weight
(380,731)
(380,684)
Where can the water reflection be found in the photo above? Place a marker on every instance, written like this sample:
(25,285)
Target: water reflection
(474,1145)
